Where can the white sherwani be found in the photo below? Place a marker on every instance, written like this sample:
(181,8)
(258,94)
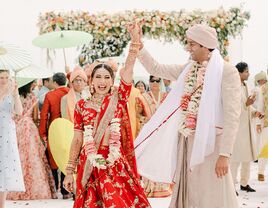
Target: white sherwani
(203,189)
(245,148)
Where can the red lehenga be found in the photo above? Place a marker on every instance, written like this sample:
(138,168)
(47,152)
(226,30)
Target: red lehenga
(117,186)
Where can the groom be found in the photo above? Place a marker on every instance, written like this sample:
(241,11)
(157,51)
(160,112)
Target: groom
(197,139)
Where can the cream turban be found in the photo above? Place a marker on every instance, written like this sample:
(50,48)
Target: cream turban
(78,71)
(260,76)
(204,35)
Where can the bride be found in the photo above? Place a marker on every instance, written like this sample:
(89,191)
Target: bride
(106,171)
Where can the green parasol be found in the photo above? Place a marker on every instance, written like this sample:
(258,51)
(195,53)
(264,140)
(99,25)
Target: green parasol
(62,39)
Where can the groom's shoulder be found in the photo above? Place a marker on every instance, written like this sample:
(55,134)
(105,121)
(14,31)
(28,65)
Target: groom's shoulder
(228,68)
(230,75)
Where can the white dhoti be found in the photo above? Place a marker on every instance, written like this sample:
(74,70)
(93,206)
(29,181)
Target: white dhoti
(191,189)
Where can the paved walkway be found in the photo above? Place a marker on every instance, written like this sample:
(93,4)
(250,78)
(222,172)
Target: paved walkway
(258,199)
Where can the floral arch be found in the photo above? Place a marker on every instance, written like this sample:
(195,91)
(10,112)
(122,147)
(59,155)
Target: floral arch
(110,36)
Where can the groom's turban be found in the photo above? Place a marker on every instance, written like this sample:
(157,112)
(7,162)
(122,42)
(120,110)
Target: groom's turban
(204,35)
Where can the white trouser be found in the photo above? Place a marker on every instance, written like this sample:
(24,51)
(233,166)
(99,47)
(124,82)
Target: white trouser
(244,172)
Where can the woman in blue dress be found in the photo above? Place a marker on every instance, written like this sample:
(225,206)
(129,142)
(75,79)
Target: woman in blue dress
(11,178)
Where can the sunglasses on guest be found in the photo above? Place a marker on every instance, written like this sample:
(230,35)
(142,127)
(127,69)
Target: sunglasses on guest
(155,80)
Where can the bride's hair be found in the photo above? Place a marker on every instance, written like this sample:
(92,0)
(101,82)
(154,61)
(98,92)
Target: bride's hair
(104,66)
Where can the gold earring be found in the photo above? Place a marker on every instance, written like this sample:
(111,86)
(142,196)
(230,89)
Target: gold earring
(92,89)
(112,89)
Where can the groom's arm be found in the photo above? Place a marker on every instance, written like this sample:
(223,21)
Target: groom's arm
(231,99)
(170,72)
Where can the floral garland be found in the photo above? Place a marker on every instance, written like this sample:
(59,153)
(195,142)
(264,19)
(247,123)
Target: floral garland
(97,160)
(111,37)
(191,97)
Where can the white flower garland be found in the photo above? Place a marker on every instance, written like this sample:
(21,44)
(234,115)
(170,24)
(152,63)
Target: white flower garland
(191,97)
(97,160)
(114,141)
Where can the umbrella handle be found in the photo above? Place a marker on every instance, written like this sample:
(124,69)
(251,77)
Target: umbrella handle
(64,57)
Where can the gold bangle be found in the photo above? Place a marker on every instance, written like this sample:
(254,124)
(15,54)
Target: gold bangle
(70,165)
(134,50)
(70,172)
(70,161)
(134,46)
(135,43)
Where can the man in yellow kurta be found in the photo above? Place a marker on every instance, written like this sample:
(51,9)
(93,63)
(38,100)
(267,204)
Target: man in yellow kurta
(244,148)
(191,145)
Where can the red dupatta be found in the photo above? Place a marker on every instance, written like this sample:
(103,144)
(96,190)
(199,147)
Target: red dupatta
(106,114)
(127,141)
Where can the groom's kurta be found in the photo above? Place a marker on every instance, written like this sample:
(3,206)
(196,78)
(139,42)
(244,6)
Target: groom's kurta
(203,189)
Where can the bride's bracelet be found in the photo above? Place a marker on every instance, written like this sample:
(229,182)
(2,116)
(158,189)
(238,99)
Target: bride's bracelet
(72,162)
(70,168)
(137,44)
(134,50)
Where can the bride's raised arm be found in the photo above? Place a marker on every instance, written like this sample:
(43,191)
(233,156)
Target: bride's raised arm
(127,72)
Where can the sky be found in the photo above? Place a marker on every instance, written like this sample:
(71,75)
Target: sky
(18,20)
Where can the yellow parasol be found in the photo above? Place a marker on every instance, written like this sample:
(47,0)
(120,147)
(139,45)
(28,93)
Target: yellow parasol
(264,151)
(60,137)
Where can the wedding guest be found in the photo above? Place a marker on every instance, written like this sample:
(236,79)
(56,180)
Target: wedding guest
(37,174)
(11,178)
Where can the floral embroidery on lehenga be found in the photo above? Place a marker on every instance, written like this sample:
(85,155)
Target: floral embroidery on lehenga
(117,185)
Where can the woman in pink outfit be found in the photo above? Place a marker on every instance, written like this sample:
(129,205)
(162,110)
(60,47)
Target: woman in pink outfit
(36,172)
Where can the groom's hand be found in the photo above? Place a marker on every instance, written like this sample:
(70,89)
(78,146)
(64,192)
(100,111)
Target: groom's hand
(222,166)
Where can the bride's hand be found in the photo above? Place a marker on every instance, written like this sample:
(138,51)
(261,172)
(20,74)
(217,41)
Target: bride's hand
(68,183)
(135,31)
